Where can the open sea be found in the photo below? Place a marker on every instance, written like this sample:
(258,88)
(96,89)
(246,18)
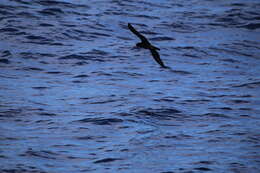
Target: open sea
(76,95)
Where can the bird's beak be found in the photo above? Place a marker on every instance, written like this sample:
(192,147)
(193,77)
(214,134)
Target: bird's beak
(135,47)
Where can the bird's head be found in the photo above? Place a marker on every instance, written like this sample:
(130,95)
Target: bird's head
(138,44)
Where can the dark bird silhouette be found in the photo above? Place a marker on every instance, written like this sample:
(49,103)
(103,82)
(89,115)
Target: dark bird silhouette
(147,45)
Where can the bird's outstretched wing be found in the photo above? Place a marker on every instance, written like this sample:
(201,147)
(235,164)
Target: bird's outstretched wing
(142,38)
(157,58)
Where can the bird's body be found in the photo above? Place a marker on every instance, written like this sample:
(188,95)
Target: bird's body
(147,45)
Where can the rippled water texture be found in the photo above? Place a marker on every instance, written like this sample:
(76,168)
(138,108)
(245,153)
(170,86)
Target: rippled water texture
(77,96)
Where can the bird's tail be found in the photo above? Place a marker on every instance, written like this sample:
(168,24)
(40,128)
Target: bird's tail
(156,48)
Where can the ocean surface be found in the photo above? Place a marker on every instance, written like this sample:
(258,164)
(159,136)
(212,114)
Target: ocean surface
(76,95)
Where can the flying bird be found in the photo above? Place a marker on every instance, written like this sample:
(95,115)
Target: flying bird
(147,45)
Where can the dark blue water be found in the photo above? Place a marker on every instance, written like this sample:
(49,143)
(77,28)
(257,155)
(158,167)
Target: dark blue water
(76,96)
